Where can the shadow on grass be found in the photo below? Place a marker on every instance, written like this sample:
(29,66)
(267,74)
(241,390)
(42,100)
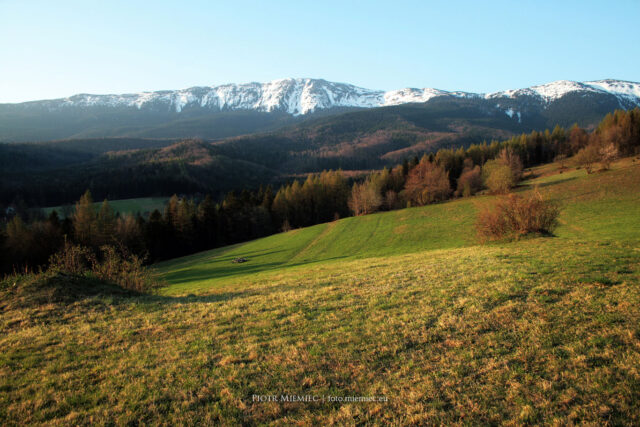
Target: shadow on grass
(546,184)
(152,303)
(227,255)
(216,272)
(223,267)
(60,289)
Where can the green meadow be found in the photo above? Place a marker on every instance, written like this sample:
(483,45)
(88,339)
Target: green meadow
(598,206)
(124,206)
(448,225)
(405,306)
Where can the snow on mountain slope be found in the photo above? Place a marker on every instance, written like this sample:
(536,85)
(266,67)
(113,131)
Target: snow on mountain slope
(552,91)
(548,92)
(404,96)
(302,96)
(629,90)
(294,96)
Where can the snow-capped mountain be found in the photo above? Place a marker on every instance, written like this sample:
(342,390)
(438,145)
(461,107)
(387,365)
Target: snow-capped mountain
(293,96)
(627,91)
(239,109)
(302,96)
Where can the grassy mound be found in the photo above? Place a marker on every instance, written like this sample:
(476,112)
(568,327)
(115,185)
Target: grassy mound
(34,290)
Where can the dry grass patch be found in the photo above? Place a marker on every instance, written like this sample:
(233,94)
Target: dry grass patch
(531,332)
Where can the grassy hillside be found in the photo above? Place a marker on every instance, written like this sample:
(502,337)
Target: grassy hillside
(437,328)
(384,234)
(602,206)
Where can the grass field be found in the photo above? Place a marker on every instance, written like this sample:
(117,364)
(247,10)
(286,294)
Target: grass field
(602,206)
(402,305)
(123,206)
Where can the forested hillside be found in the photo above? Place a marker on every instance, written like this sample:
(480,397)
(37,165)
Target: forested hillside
(55,173)
(191,224)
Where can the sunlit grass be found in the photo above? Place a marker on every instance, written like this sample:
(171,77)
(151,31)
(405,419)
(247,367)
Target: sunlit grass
(540,331)
(601,206)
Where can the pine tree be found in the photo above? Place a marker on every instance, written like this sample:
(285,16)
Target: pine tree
(105,224)
(84,220)
(18,241)
(208,223)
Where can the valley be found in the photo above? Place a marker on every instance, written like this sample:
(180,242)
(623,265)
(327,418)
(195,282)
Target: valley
(326,213)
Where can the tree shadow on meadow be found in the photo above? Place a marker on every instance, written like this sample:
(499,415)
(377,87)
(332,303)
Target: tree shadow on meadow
(223,266)
(214,295)
(546,184)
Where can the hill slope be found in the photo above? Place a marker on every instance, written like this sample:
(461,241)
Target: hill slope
(433,328)
(183,167)
(587,215)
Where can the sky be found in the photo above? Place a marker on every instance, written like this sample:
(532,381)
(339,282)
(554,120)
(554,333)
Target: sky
(52,49)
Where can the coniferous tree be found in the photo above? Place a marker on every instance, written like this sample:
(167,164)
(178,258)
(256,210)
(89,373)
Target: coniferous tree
(105,224)
(84,220)
(208,223)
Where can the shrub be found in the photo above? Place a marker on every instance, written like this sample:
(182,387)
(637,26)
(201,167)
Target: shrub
(598,151)
(587,157)
(72,259)
(123,269)
(109,265)
(608,153)
(515,216)
(511,159)
(562,159)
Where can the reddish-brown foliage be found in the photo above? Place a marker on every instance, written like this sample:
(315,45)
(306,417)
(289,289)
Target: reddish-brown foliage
(515,216)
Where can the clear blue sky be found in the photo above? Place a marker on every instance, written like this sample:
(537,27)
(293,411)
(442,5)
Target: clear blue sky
(53,49)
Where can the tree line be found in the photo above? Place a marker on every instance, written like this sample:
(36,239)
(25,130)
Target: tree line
(188,225)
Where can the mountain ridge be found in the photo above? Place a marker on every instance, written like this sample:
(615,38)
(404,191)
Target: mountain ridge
(234,110)
(301,96)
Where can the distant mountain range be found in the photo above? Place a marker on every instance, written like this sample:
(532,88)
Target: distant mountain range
(236,109)
(247,135)
(304,96)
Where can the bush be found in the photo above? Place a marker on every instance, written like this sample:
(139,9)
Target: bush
(510,158)
(123,269)
(109,265)
(515,216)
(587,157)
(597,151)
(608,153)
(72,259)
